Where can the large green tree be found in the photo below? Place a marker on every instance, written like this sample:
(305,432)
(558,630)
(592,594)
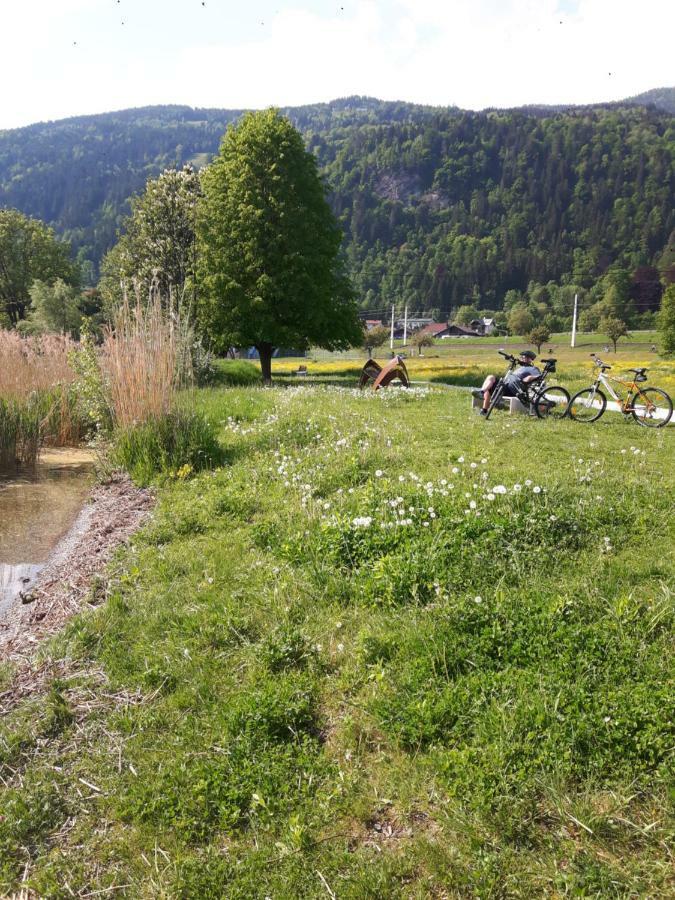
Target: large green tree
(55,307)
(270,269)
(614,329)
(28,251)
(465,315)
(520,320)
(158,242)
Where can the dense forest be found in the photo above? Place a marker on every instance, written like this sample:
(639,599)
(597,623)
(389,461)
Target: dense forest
(440,207)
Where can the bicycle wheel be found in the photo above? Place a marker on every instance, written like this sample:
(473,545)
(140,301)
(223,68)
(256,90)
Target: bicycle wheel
(652,408)
(587,405)
(551,402)
(495,398)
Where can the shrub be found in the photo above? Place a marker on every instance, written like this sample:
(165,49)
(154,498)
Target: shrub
(178,442)
(236,373)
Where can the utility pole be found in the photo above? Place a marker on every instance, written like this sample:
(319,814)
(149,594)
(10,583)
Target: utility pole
(405,325)
(574,321)
(391,339)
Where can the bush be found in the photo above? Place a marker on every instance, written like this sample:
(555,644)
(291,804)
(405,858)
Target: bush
(236,373)
(178,443)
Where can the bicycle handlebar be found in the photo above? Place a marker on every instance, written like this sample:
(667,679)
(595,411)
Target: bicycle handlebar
(599,363)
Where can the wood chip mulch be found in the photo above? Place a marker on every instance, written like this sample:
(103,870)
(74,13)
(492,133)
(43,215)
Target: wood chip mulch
(115,510)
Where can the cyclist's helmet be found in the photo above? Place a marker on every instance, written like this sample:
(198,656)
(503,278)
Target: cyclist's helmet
(529,354)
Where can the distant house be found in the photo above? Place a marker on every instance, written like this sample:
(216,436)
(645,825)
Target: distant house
(435,329)
(482,326)
(416,322)
(373,323)
(455,330)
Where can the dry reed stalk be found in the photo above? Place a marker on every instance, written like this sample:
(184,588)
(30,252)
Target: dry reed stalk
(30,364)
(143,360)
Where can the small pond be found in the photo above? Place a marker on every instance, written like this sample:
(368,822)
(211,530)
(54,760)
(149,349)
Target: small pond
(37,509)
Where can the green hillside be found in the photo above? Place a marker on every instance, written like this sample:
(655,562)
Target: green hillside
(661,98)
(438,206)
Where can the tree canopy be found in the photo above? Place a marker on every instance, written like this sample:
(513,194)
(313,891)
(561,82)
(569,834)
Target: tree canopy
(54,307)
(157,245)
(614,329)
(270,270)
(666,322)
(29,251)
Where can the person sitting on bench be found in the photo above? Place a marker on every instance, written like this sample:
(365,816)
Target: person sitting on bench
(515,381)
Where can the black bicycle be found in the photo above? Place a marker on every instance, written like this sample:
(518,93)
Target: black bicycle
(545,401)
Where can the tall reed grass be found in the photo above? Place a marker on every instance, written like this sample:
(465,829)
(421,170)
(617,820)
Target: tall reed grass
(146,365)
(144,361)
(37,403)
(29,364)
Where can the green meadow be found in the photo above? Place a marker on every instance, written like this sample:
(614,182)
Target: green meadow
(385,649)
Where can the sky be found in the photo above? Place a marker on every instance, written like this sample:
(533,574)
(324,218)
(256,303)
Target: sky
(61,58)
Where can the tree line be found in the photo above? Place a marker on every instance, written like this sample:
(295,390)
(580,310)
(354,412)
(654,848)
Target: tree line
(249,250)
(439,208)
(165,241)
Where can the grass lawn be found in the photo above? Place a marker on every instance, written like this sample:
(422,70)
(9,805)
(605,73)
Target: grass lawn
(388,650)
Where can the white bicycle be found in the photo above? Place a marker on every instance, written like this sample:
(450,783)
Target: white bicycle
(650,406)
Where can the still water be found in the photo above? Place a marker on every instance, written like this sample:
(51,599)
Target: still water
(36,511)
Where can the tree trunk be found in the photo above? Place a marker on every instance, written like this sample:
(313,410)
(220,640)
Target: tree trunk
(265,351)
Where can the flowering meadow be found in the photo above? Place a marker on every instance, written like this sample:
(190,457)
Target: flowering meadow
(387,649)
(467,362)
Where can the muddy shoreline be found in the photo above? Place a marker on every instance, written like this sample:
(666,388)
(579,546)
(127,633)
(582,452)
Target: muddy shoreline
(111,514)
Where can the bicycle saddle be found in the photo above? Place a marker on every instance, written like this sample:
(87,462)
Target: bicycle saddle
(638,371)
(549,360)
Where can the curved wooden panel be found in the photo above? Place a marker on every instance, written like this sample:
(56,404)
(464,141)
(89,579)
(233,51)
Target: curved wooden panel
(369,372)
(394,369)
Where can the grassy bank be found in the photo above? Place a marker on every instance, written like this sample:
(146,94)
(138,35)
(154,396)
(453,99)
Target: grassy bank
(389,650)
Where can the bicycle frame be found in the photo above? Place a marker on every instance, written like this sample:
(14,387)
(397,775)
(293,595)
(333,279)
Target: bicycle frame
(624,402)
(529,390)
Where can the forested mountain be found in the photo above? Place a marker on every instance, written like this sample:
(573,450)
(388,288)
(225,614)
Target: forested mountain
(440,207)
(661,98)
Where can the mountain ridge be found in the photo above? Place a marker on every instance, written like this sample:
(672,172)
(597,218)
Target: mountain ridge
(434,200)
